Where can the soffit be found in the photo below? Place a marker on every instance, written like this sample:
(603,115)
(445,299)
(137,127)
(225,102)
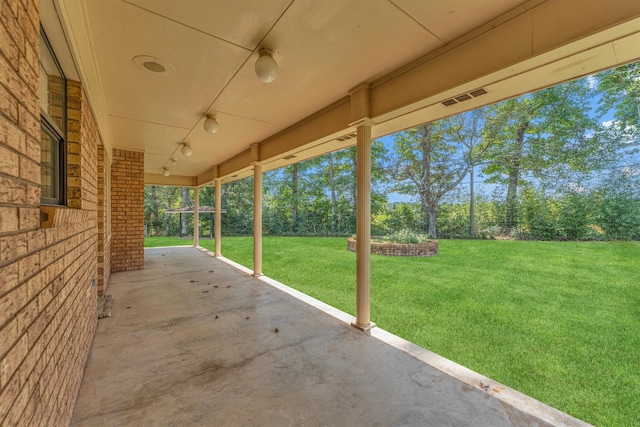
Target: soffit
(240,22)
(449,20)
(323,48)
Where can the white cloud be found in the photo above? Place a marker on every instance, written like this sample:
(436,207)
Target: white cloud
(631,171)
(574,186)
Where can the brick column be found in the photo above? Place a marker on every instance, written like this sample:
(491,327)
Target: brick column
(127,210)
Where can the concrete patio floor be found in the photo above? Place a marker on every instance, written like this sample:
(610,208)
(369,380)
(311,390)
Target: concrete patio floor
(196,341)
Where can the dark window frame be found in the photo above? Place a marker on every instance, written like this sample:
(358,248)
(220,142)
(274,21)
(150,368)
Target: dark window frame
(57,136)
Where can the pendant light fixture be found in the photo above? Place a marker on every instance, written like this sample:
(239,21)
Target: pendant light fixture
(186,149)
(266,67)
(211,124)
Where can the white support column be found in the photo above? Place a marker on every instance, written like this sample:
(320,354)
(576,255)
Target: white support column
(218,219)
(363,227)
(196,216)
(257,219)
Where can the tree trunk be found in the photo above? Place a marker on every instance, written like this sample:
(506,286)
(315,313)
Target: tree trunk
(332,188)
(424,213)
(432,223)
(170,194)
(154,205)
(472,204)
(185,202)
(512,199)
(426,146)
(514,162)
(294,197)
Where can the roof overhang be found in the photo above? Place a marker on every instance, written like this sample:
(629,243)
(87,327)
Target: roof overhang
(513,48)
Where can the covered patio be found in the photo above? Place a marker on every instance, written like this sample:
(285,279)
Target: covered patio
(196,340)
(100,98)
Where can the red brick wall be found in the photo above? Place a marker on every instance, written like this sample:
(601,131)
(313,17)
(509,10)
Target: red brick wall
(127,211)
(48,300)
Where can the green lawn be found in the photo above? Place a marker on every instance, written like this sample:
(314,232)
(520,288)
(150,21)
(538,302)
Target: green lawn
(155,242)
(559,321)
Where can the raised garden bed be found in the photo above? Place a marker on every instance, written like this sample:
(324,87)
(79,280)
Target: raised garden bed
(429,248)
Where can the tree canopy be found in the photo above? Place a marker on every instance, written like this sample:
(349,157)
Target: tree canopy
(560,163)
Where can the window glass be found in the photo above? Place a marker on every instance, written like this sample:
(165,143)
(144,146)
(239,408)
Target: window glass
(49,178)
(53,115)
(52,86)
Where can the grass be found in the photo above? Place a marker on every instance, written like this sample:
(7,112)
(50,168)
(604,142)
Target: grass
(155,242)
(558,321)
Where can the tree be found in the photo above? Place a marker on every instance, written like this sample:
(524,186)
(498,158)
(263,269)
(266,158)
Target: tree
(620,94)
(618,204)
(152,213)
(620,91)
(467,129)
(187,200)
(431,163)
(538,136)
(337,175)
(289,189)
(332,191)
(237,200)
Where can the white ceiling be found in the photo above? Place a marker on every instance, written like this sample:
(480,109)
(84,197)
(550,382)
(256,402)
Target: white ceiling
(415,54)
(323,48)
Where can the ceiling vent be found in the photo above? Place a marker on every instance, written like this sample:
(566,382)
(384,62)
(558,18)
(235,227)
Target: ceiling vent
(463,97)
(346,137)
(289,157)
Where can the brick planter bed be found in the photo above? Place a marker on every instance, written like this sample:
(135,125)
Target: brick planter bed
(399,249)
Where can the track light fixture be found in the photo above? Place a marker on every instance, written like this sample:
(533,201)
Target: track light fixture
(165,172)
(173,161)
(266,67)
(186,149)
(211,124)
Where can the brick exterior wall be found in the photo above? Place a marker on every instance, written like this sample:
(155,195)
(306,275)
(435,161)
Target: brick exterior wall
(48,303)
(127,210)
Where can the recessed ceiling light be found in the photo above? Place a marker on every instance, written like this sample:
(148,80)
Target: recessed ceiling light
(153,64)
(154,67)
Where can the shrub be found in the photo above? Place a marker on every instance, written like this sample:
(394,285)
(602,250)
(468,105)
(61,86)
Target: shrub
(407,236)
